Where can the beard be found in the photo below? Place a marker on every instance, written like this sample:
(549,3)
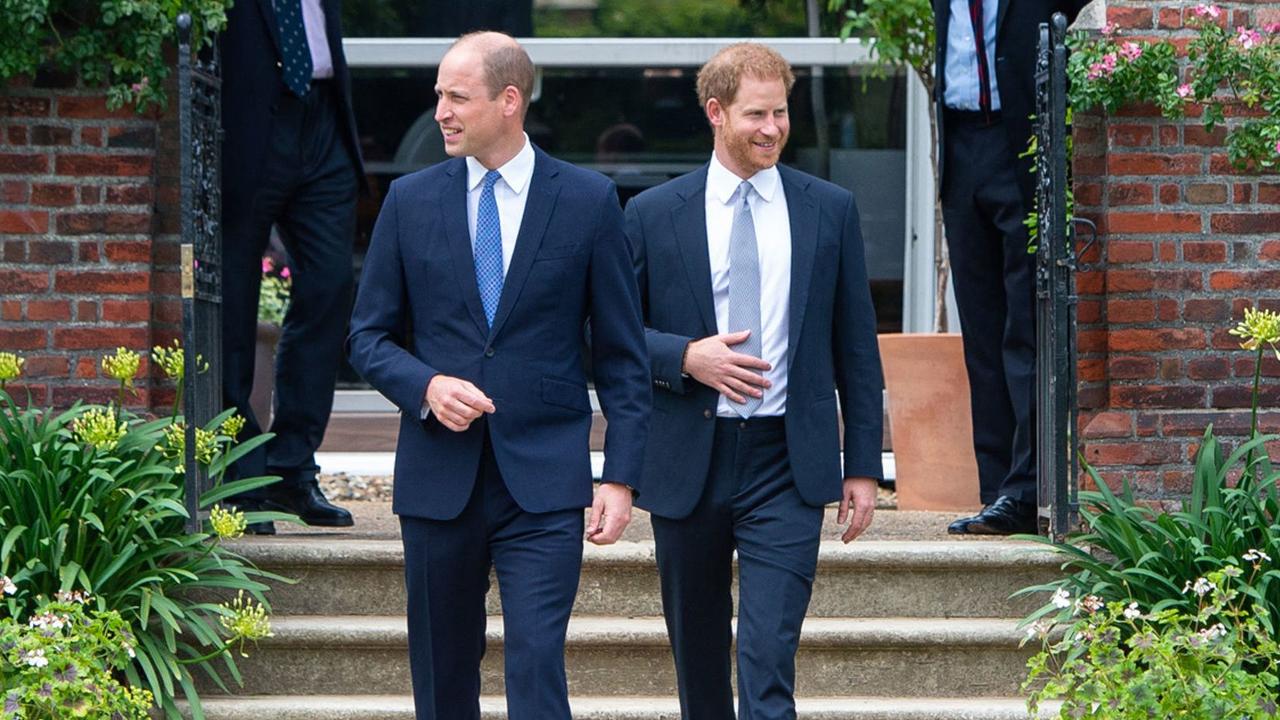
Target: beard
(747,156)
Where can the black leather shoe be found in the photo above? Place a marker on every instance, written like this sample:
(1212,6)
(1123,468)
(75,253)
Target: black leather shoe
(266,527)
(1005,516)
(307,502)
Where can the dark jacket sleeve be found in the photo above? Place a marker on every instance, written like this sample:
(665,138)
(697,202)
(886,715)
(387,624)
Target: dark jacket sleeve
(857,356)
(618,356)
(666,350)
(376,344)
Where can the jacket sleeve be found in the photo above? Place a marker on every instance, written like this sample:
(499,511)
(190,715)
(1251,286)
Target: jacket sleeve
(618,356)
(376,344)
(666,350)
(857,355)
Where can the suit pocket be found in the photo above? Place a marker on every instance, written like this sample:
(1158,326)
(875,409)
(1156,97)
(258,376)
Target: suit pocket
(565,394)
(558,252)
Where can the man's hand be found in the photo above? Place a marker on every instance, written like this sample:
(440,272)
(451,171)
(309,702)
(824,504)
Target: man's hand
(610,513)
(455,402)
(857,504)
(732,374)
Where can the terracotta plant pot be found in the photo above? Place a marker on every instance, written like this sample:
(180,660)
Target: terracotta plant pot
(929,416)
(264,373)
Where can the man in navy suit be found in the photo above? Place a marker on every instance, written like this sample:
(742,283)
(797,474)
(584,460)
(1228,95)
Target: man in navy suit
(494,261)
(293,161)
(758,314)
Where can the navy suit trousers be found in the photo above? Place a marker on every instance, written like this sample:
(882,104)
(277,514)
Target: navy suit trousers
(750,504)
(537,557)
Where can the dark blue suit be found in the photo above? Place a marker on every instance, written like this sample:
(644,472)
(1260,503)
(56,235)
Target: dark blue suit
(714,486)
(509,490)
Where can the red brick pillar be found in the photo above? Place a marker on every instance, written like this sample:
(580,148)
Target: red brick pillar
(1189,243)
(89,258)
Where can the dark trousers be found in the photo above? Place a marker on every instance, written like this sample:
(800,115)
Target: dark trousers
(751,505)
(307,187)
(537,557)
(994,274)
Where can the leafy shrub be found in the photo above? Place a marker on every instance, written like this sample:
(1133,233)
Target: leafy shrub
(60,663)
(91,500)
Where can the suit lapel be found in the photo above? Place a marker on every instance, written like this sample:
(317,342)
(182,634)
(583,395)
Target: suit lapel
(690,219)
(543,190)
(1000,14)
(803,214)
(453,208)
(273,26)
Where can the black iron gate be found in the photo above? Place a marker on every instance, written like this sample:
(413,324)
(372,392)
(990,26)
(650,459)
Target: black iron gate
(1056,410)
(200,145)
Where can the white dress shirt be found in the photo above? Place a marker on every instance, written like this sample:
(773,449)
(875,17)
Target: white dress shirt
(961,68)
(773,243)
(509,192)
(317,40)
(510,195)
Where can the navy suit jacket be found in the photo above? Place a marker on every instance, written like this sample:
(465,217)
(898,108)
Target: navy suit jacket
(831,347)
(418,314)
(252,83)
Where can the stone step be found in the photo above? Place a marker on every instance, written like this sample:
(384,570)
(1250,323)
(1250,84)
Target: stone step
(887,657)
(400,707)
(861,579)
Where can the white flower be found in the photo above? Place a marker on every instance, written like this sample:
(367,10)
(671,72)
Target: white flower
(1232,571)
(129,649)
(1256,556)
(48,620)
(7,585)
(1202,587)
(1214,632)
(1037,629)
(35,658)
(72,597)
(1090,603)
(1132,612)
(1062,599)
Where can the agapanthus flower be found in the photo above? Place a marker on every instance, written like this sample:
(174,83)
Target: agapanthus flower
(123,366)
(1259,327)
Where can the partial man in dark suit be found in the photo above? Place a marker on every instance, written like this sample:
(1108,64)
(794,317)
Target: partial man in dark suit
(758,315)
(986,52)
(497,259)
(292,160)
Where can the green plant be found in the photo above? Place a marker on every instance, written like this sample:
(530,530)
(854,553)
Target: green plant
(117,43)
(903,33)
(273,293)
(61,663)
(1134,553)
(1240,67)
(88,505)
(1116,661)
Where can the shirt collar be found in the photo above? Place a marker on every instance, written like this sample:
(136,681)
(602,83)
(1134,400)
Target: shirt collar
(516,172)
(722,183)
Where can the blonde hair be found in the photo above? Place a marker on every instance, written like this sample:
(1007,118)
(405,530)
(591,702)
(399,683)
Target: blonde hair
(720,77)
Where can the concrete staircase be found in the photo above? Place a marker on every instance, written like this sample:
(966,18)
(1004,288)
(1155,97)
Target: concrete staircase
(897,630)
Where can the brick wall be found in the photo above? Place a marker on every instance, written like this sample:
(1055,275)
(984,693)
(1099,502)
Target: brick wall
(1189,243)
(88,249)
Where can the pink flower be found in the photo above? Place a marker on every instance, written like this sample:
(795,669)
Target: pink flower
(285,273)
(1104,67)
(1212,11)
(1278,147)
(1184,90)
(1131,51)
(267,265)
(1273,28)
(1248,38)
(1110,28)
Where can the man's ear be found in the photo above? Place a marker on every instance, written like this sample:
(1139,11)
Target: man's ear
(715,113)
(511,100)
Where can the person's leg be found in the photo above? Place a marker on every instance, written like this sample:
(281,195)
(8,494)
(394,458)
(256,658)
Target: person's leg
(777,536)
(695,566)
(977,264)
(318,226)
(1001,200)
(447,576)
(247,220)
(538,557)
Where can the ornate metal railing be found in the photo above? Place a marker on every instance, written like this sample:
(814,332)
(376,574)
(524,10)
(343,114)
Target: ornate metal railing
(200,145)
(1056,410)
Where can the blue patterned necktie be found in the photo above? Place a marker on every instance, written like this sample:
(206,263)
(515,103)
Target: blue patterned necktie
(488,248)
(744,285)
(295,59)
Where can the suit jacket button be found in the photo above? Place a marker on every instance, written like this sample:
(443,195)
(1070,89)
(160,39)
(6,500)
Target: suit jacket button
(279,64)
(488,352)
(706,414)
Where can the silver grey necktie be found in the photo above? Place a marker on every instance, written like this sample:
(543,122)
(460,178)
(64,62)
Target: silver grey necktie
(744,285)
